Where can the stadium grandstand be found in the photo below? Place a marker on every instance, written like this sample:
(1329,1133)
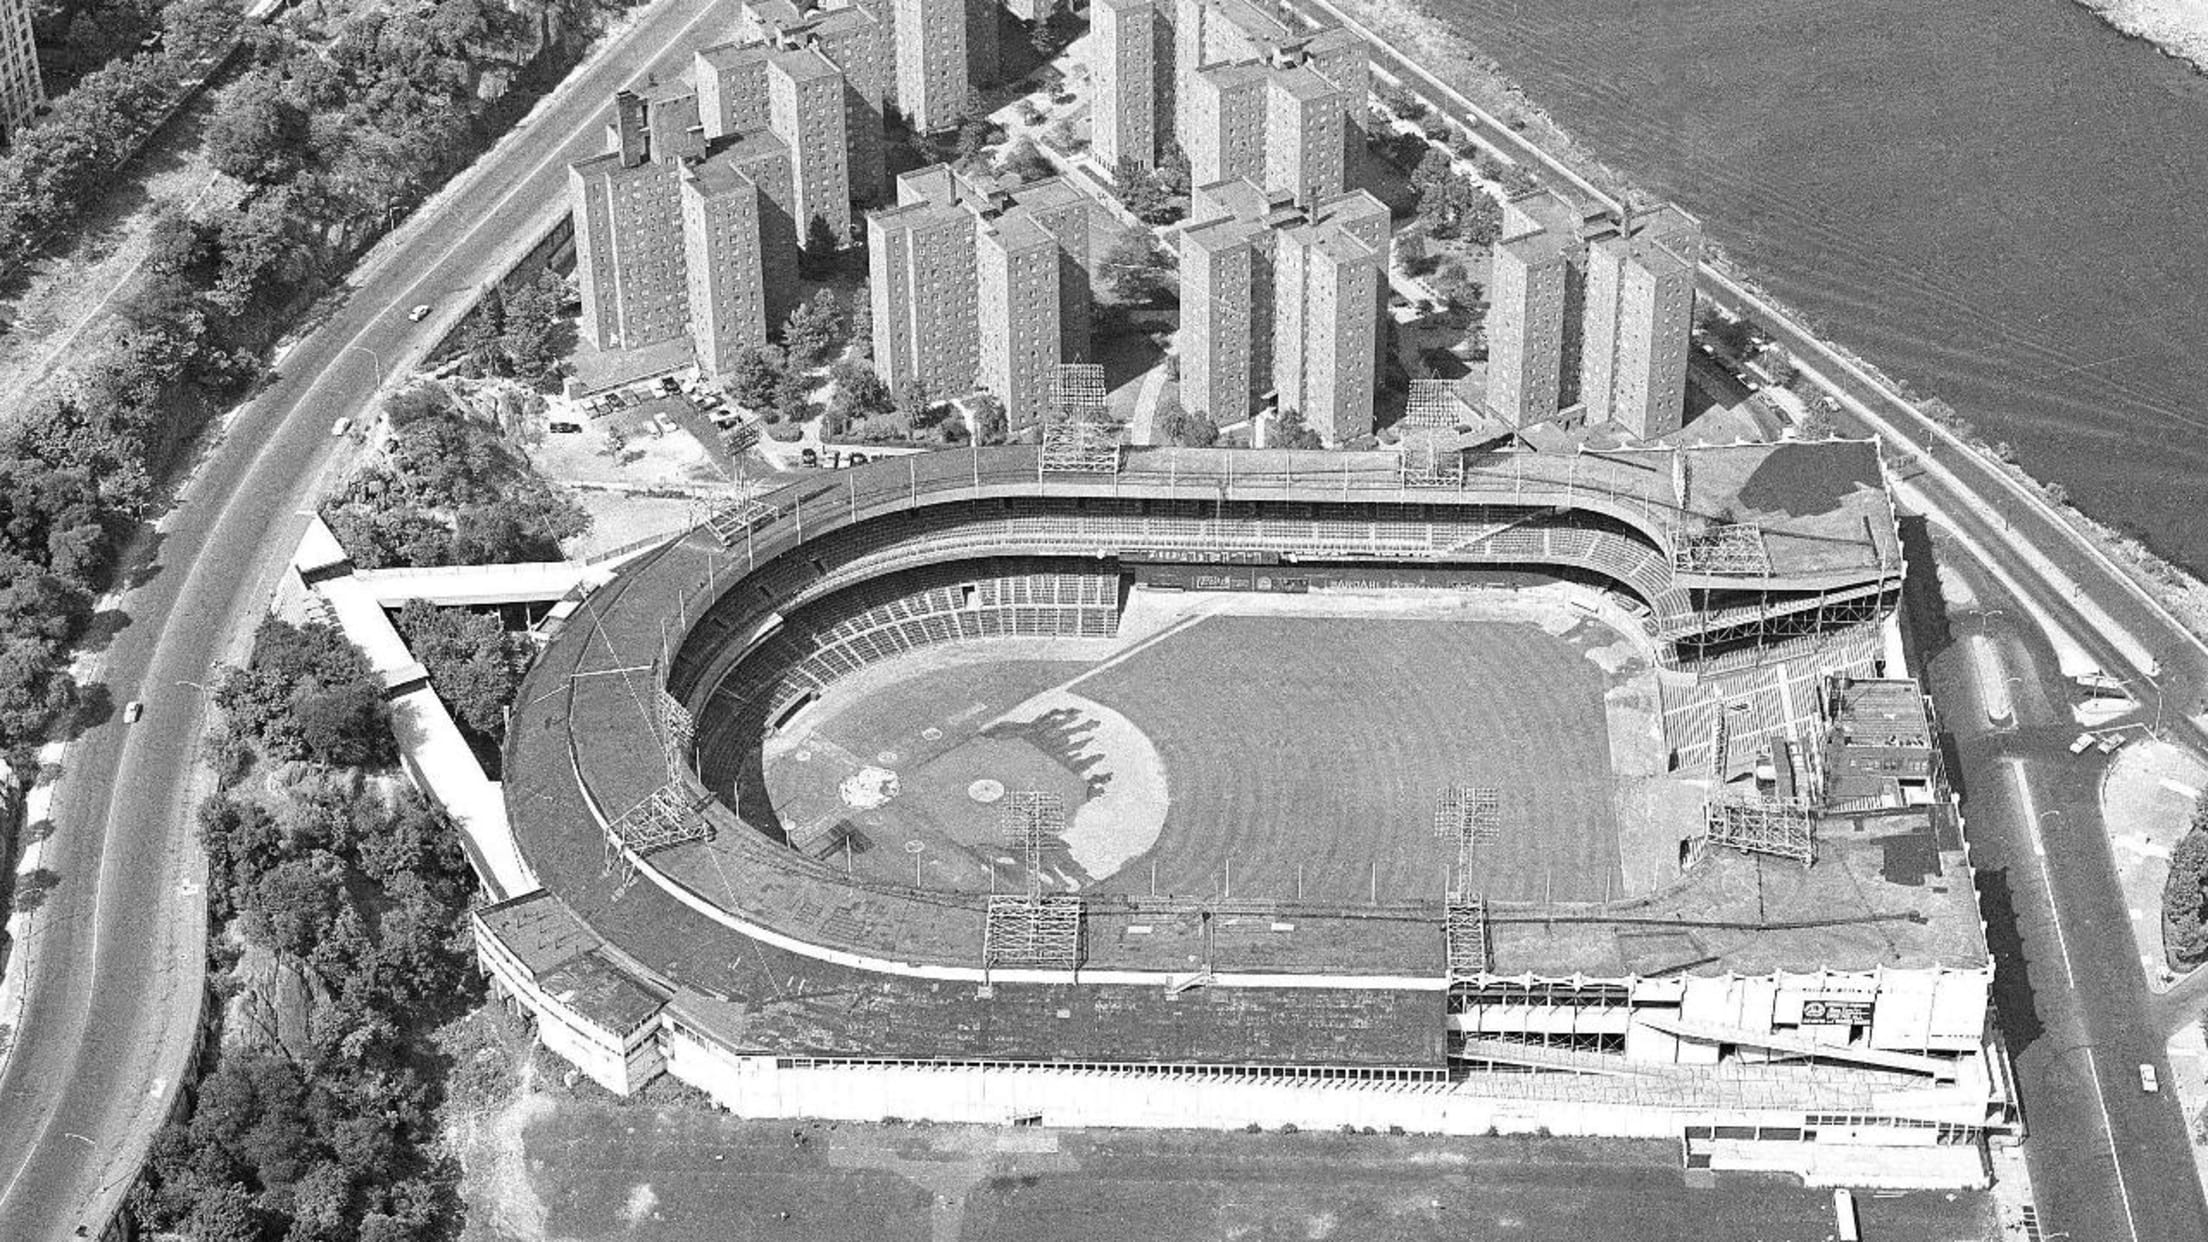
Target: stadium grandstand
(1806,989)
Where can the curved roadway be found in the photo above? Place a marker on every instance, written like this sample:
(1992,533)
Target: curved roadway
(113,967)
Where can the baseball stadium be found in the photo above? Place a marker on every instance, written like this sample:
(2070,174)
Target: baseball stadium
(1074,784)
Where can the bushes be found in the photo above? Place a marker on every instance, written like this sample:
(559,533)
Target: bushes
(451,493)
(2185,895)
(307,693)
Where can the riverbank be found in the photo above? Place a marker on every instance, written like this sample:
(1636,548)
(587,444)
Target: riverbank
(2178,27)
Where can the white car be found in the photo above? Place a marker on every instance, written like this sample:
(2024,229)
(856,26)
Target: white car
(341,426)
(133,712)
(2082,745)
(2147,1081)
(418,314)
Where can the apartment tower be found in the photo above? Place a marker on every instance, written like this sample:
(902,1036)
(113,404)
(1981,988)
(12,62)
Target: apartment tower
(1123,44)
(21,89)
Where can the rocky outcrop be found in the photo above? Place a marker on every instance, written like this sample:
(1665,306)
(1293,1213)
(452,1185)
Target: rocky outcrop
(272,1008)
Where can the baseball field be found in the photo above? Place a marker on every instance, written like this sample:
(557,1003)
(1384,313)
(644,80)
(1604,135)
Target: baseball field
(1251,748)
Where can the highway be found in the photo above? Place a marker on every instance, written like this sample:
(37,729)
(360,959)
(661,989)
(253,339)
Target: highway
(114,965)
(2107,1160)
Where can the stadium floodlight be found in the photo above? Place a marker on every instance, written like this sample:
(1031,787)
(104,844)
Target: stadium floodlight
(1752,824)
(1037,930)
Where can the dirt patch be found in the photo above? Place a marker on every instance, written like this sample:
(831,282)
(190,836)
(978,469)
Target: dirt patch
(1125,810)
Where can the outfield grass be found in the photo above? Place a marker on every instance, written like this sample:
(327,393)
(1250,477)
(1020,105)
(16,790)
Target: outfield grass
(1322,743)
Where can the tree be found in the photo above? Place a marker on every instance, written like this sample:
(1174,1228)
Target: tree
(860,394)
(1815,424)
(1291,432)
(1137,270)
(755,377)
(810,331)
(1189,428)
(530,335)
(990,424)
(1024,161)
(1142,193)
(2185,892)
(912,397)
(257,133)
(474,664)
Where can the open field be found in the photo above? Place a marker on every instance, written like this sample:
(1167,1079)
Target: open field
(679,1174)
(1295,752)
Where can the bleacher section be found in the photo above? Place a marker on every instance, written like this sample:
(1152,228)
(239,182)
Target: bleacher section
(832,638)
(1771,692)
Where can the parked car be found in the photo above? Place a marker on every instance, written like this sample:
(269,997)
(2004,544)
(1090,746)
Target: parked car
(133,712)
(418,314)
(2083,744)
(2110,742)
(2147,1081)
(341,426)
(565,429)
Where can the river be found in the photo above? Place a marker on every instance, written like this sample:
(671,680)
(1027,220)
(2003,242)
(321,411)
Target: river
(1987,198)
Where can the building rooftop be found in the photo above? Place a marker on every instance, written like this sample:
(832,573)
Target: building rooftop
(1017,230)
(717,175)
(597,990)
(804,64)
(539,930)
(1303,83)
(1247,74)
(730,55)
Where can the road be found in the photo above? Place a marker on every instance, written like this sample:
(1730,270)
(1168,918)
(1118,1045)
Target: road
(2107,1161)
(114,965)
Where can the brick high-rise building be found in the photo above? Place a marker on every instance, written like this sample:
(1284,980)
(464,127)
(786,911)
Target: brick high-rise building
(21,88)
(628,236)
(805,108)
(1326,321)
(977,285)
(1123,46)
(1591,317)
(931,61)
(765,158)
(731,81)
(1525,327)
(1281,299)
(852,38)
(1304,141)
(1224,263)
(984,30)
(1640,318)
(727,285)
(1225,135)
(1016,330)
(1206,33)
(921,257)
(654,208)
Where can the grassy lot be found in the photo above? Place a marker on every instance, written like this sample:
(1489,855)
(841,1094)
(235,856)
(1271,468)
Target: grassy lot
(683,1174)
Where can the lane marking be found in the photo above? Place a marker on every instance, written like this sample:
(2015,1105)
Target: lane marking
(2062,941)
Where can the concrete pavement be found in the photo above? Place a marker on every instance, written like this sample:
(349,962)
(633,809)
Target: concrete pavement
(113,986)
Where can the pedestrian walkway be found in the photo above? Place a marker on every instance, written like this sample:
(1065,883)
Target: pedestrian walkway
(435,755)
